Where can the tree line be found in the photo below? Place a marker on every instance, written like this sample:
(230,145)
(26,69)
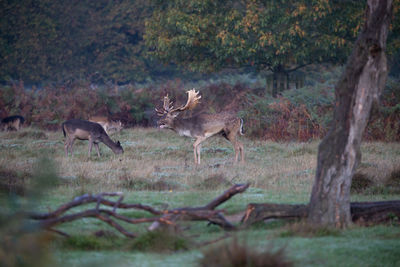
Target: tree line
(134,40)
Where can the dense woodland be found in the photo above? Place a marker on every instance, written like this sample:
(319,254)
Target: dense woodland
(109,57)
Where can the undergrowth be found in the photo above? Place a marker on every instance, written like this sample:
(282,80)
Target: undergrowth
(297,114)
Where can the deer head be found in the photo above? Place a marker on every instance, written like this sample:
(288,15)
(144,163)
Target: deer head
(168,113)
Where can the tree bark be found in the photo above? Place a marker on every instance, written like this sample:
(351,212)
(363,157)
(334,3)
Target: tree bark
(339,152)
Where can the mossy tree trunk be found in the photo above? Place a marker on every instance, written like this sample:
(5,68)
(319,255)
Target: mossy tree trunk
(339,152)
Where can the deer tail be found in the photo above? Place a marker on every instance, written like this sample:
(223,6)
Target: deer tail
(62,126)
(241,127)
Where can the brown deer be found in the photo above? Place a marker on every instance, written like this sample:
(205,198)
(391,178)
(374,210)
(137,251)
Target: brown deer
(108,125)
(12,123)
(86,130)
(201,126)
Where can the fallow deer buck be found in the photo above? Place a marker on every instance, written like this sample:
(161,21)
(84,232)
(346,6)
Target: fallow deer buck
(108,125)
(86,130)
(201,126)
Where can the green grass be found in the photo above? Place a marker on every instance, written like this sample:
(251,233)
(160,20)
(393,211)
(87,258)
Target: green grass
(157,169)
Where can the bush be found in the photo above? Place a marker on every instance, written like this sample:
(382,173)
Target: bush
(360,182)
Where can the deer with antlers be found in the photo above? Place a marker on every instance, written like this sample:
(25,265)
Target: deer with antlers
(201,126)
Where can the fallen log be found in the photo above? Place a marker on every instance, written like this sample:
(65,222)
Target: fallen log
(361,212)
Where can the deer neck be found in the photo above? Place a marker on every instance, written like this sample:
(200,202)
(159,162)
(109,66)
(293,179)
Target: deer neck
(108,142)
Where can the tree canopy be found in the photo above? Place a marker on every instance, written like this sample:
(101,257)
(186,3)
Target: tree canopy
(100,41)
(274,35)
(277,35)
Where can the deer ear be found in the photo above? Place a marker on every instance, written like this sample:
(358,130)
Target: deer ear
(118,143)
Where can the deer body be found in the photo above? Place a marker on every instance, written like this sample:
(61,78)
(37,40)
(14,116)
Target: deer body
(12,123)
(107,124)
(86,130)
(202,126)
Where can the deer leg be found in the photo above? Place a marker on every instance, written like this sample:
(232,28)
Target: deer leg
(66,146)
(196,149)
(237,146)
(198,153)
(96,145)
(71,144)
(241,151)
(90,145)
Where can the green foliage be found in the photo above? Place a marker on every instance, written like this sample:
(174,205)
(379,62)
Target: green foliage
(62,41)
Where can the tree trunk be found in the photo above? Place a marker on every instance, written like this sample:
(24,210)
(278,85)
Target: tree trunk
(339,152)
(274,84)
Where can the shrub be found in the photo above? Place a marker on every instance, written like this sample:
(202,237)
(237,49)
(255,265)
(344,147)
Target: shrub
(393,181)
(360,182)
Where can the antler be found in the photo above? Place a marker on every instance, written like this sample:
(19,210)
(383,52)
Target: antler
(166,107)
(193,100)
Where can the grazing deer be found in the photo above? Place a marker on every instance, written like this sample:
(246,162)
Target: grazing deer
(108,125)
(12,123)
(86,130)
(201,126)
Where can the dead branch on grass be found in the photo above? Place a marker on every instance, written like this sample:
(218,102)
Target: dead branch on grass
(165,217)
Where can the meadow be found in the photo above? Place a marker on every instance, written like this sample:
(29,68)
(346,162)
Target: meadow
(157,169)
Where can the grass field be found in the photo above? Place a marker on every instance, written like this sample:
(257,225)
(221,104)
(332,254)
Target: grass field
(157,169)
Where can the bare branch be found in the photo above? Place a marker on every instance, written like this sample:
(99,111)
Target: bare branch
(235,189)
(88,198)
(165,217)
